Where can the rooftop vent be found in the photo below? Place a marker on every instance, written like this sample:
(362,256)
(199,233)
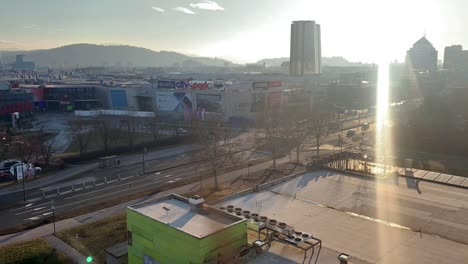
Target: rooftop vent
(196,201)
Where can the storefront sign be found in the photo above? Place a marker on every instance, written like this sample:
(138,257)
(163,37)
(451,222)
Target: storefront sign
(183,85)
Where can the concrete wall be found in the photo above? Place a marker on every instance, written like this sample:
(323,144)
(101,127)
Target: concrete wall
(166,244)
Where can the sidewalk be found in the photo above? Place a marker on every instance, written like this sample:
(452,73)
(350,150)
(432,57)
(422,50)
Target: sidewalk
(46,230)
(67,250)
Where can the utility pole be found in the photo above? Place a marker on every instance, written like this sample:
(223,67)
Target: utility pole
(53,213)
(144,152)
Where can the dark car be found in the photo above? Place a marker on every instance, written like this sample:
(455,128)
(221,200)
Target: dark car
(7,164)
(6,176)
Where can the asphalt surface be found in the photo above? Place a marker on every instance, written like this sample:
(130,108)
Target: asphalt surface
(100,185)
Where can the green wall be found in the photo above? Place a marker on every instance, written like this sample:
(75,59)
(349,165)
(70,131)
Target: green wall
(166,244)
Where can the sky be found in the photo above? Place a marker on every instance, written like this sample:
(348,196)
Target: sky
(238,30)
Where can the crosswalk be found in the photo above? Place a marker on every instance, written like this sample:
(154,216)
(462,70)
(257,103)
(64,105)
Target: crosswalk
(33,211)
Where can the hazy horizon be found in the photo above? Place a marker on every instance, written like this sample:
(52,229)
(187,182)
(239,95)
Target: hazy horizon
(239,31)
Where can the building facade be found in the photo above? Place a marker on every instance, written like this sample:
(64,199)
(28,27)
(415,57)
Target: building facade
(455,58)
(422,56)
(306,50)
(174,229)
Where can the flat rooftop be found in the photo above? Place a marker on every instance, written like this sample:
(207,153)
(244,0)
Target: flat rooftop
(177,212)
(373,221)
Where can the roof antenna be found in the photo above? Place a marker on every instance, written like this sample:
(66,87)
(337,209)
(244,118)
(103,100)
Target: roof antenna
(424,32)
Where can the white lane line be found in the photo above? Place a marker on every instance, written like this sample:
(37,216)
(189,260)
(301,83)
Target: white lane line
(145,179)
(46,213)
(40,212)
(107,194)
(32,211)
(39,208)
(32,218)
(21,208)
(41,203)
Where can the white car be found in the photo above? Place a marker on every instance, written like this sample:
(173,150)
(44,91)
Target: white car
(28,169)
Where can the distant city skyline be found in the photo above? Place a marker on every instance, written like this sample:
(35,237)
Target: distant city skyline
(241,31)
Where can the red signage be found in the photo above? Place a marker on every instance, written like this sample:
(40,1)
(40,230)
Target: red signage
(276,84)
(16,107)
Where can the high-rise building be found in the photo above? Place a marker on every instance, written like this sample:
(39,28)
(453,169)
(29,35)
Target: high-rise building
(455,58)
(306,50)
(422,56)
(20,64)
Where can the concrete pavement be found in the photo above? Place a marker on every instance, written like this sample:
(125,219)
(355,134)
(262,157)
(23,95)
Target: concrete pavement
(66,249)
(378,222)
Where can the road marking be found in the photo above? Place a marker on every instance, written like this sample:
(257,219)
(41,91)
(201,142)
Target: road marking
(145,179)
(39,208)
(32,218)
(21,208)
(46,213)
(29,207)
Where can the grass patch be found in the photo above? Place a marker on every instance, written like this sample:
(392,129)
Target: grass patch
(32,252)
(94,237)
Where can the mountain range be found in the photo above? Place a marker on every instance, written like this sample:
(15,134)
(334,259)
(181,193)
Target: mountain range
(326,61)
(85,55)
(92,55)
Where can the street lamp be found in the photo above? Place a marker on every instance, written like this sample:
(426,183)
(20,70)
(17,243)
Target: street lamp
(145,150)
(53,213)
(20,143)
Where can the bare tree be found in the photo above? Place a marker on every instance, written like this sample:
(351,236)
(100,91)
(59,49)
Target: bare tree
(318,124)
(131,124)
(217,146)
(82,132)
(48,149)
(272,133)
(29,146)
(103,130)
(154,125)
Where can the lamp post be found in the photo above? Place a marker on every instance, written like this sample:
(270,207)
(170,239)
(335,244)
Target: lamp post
(53,213)
(20,143)
(144,152)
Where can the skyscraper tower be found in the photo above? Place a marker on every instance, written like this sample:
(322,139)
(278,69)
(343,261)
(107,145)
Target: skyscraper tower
(306,50)
(422,56)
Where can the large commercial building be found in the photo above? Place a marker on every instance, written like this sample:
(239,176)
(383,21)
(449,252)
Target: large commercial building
(306,51)
(12,101)
(455,58)
(20,64)
(175,229)
(422,56)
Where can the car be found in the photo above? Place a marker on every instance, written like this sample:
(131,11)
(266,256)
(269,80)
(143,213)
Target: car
(350,133)
(5,176)
(28,169)
(6,164)
(181,131)
(365,127)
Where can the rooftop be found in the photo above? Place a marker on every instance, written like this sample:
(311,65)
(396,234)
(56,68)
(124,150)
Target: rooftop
(381,219)
(177,212)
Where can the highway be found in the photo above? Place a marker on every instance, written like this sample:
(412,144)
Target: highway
(101,186)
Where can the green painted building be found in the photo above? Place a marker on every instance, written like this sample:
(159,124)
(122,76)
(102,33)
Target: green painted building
(175,229)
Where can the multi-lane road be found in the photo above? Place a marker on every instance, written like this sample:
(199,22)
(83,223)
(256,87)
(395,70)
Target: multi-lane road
(102,185)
